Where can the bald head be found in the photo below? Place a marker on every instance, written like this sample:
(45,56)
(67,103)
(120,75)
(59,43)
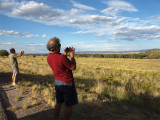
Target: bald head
(53,44)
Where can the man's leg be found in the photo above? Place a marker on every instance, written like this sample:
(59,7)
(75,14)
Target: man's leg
(68,113)
(15,74)
(14,77)
(57,111)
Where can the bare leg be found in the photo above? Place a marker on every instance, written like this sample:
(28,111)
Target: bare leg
(68,113)
(14,77)
(57,111)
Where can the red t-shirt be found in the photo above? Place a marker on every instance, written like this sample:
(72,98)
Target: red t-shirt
(60,65)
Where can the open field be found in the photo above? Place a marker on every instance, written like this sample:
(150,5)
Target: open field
(107,88)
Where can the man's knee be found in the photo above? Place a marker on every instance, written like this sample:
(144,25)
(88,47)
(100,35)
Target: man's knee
(68,113)
(69,108)
(15,74)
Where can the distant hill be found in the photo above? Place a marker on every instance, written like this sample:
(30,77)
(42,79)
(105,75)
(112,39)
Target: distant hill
(154,53)
(146,51)
(106,52)
(139,54)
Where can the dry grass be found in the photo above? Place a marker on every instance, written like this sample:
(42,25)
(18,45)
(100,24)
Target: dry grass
(18,98)
(25,106)
(104,82)
(12,109)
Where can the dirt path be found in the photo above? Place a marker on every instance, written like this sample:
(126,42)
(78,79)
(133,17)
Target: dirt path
(15,109)
(2,112)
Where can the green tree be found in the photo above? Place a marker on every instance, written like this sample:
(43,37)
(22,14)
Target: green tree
(4,53)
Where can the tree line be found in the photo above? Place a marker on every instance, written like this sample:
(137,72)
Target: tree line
(152,54)
(134,56)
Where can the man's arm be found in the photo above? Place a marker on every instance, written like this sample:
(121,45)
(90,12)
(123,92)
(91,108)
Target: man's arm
(71,50)
(72,59)
(20,54)
(74,64)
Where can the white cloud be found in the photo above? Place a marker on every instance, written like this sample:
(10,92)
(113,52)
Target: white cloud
(121,5)
(75,11)
(146,22)
(35,11)
(6,5)
(100,35)
(98,47)
(36,35)
(110,11)
(13,33)
(28,35)
(35,44)
(90,19)
(109,24)
(82,31)
(137,33)
(8,43)
(81,6)
(44,36)
(9,33)
(155,17)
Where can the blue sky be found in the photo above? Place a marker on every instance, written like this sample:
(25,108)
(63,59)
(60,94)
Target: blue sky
(87,25)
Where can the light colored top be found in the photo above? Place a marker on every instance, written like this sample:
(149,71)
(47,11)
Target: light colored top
(58,83)
(13,59)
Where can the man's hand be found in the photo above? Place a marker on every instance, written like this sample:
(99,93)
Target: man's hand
(66,51)
(20,54)
(72,50)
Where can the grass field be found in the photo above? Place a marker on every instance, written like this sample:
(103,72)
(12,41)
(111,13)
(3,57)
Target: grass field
(107,88)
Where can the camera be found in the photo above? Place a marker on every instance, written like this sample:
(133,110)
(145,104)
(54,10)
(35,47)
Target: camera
(67,49)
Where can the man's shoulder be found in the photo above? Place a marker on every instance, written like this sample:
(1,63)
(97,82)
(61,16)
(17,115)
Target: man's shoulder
(12,55)
(63,55)
(55,56)
(60,56)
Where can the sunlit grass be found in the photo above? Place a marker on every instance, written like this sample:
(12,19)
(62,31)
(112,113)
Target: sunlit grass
(99,80)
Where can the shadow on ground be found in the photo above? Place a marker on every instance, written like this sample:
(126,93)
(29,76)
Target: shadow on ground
(5,101)
(112,109)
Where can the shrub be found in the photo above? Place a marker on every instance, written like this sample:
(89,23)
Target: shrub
(153,54)
(4,53)
(34,56)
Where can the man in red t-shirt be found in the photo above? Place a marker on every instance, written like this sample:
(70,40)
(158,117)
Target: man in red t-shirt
(64,81)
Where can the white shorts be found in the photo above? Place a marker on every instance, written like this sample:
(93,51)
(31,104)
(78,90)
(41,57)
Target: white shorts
(15,69)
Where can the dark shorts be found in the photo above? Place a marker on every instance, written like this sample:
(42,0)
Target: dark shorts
(66,94)
(15,69)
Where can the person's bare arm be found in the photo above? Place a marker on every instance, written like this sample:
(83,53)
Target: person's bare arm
(74,64)
(20,54)
(72,50)
(65,52)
